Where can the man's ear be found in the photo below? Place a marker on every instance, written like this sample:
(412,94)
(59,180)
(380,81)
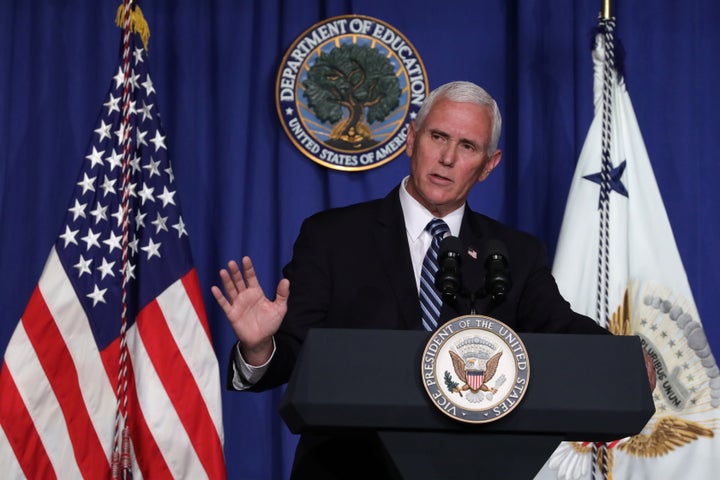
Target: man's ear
(410,139)
(490,165)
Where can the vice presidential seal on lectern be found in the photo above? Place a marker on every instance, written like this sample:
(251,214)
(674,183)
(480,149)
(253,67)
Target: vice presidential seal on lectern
(475,369)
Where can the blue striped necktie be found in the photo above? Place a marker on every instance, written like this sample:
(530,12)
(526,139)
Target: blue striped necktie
(430,301)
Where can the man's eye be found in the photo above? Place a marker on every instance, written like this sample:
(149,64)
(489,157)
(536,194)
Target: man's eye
(469,147)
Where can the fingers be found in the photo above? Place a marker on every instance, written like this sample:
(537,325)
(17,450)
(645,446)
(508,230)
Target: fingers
(236,280)
(232,280)
(229,285)
(249,271)
(283,292)
(220,299)
(235,275)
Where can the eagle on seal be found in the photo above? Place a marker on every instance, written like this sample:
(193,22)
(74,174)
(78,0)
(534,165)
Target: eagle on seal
(472,374)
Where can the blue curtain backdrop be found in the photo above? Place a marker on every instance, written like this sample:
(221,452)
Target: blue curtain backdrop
(245,189)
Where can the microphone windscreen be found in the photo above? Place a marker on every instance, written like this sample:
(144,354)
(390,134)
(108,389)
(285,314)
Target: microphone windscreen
(495,247)
(450,244)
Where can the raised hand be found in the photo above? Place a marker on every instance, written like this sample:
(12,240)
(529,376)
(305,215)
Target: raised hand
(253,317)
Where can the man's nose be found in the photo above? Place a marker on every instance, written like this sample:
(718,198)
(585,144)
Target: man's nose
(449,155)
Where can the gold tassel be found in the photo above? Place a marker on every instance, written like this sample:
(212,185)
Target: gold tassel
(138,24)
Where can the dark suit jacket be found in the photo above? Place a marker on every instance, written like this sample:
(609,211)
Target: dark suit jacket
(351,268)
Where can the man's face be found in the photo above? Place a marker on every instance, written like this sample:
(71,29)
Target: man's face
(448,154)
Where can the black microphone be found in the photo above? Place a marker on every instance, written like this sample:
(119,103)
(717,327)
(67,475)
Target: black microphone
(447,278)
(497,270)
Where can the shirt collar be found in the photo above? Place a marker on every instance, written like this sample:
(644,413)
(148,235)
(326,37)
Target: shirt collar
(417,217)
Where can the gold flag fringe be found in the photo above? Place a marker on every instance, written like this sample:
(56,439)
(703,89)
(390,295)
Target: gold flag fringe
(138,24)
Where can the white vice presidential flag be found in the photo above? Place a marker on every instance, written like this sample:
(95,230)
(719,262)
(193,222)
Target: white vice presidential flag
(617,261)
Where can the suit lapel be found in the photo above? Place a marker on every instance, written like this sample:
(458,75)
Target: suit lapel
(473,233)
(391,243)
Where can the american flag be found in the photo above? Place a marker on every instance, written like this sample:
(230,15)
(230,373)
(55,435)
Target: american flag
(60,374)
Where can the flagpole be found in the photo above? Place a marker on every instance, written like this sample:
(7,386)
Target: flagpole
(605,10)
(600,453)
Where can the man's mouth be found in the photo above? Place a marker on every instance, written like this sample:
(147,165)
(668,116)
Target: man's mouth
(436,178)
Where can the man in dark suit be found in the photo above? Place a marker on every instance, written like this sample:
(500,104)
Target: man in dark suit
(360,267)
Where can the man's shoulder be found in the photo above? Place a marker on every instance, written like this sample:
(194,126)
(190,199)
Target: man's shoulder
(356,213)
(353,208)
(522,248)
(345,215)
(491,228)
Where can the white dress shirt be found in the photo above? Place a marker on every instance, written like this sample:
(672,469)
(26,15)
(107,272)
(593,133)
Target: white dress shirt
(416,219)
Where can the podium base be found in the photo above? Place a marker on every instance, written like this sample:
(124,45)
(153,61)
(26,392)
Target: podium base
(459,455)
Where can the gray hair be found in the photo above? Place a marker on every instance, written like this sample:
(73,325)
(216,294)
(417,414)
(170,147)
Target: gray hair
(466,92)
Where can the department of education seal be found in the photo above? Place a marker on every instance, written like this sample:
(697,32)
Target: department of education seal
(475,369)
(346,91)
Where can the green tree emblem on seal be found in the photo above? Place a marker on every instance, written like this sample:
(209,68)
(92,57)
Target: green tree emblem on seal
(350,87)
